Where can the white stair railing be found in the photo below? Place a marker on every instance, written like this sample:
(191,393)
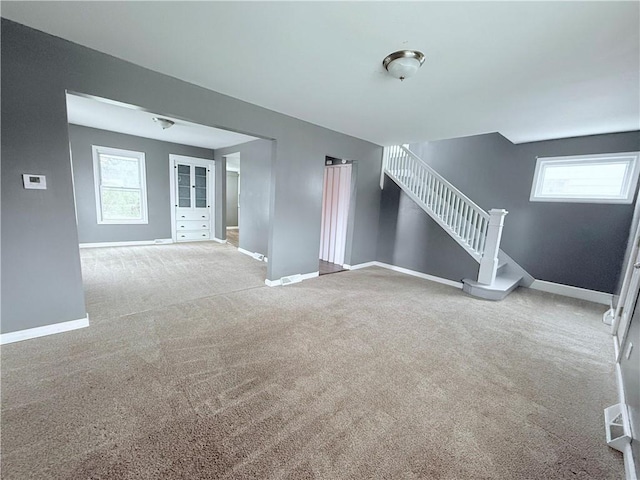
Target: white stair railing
(477,231)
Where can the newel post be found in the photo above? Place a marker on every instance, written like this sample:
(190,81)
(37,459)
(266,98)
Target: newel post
(489,262)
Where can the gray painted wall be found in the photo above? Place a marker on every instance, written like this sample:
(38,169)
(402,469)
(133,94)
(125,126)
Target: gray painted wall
(409,238)
(40,257)
(156,153)
(256,164)
(576,244)
(232,199)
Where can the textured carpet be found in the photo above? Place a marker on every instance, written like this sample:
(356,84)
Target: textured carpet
(193,369)
(233,237)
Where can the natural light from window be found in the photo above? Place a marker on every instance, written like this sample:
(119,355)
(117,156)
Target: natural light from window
(120,186)
(610,178)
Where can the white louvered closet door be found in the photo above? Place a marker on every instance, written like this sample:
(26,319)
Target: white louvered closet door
(335,213)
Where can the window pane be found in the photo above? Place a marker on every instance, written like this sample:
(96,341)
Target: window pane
(116,171)
(584,180)
(121,204)
(201,187)
(184,196)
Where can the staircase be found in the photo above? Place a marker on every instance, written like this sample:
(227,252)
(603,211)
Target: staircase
(476,231)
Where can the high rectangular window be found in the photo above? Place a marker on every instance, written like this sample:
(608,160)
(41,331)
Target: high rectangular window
(608,178)
(120,185)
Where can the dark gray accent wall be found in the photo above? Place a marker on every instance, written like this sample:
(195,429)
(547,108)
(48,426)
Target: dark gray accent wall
(232,199)
(578,244)
(410,238)
(40,257)
(256,165)
(156,153)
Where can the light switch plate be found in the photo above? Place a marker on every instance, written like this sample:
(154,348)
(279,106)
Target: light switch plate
(36,182)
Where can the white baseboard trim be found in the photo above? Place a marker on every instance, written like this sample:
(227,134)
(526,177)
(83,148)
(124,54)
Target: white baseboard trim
(215,239)
(29,333)
(573,292)
(359,265)
(233,228)
(157,241)
(256,255)
(291,279)
(413,273)
(629,464)
(424,276)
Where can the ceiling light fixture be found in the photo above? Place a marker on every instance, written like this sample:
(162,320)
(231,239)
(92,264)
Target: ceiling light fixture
(403,63)
(164,122)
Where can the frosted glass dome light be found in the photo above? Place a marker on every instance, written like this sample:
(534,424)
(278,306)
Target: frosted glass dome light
(404,63)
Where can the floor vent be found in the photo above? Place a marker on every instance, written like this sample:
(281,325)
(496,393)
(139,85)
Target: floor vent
(291,279)
(616,418)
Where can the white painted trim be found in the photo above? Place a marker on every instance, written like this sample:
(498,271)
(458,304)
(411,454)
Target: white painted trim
(172,198)
(359,266)
(232,228)
(424,276)
(629,183)
(157,241)
(475,255)
(299,277)
(406,271)
(573,292)
(29,333)
(629,464)
(616,347)
(210,165)
(215,239)
(96,151)
(255,255)
(622,397)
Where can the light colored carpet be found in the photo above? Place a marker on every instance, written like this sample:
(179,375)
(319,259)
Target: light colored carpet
(364,374)
(233,236)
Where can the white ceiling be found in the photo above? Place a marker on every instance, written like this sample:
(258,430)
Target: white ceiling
(117,118)
(529,70)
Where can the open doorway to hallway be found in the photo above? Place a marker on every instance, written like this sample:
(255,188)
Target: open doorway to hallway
(336,198)
(233,199)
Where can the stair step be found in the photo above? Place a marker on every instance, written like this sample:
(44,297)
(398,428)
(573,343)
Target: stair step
(503,285)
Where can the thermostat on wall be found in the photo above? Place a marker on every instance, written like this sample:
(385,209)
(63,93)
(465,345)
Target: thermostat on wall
(38,182)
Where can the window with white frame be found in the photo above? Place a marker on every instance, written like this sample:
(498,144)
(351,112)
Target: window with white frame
(121,188)
(608,178)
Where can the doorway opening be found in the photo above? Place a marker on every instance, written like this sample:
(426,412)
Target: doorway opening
(233,199)
(336,199)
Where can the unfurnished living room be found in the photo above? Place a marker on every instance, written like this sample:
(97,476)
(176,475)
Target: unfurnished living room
(320,240)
